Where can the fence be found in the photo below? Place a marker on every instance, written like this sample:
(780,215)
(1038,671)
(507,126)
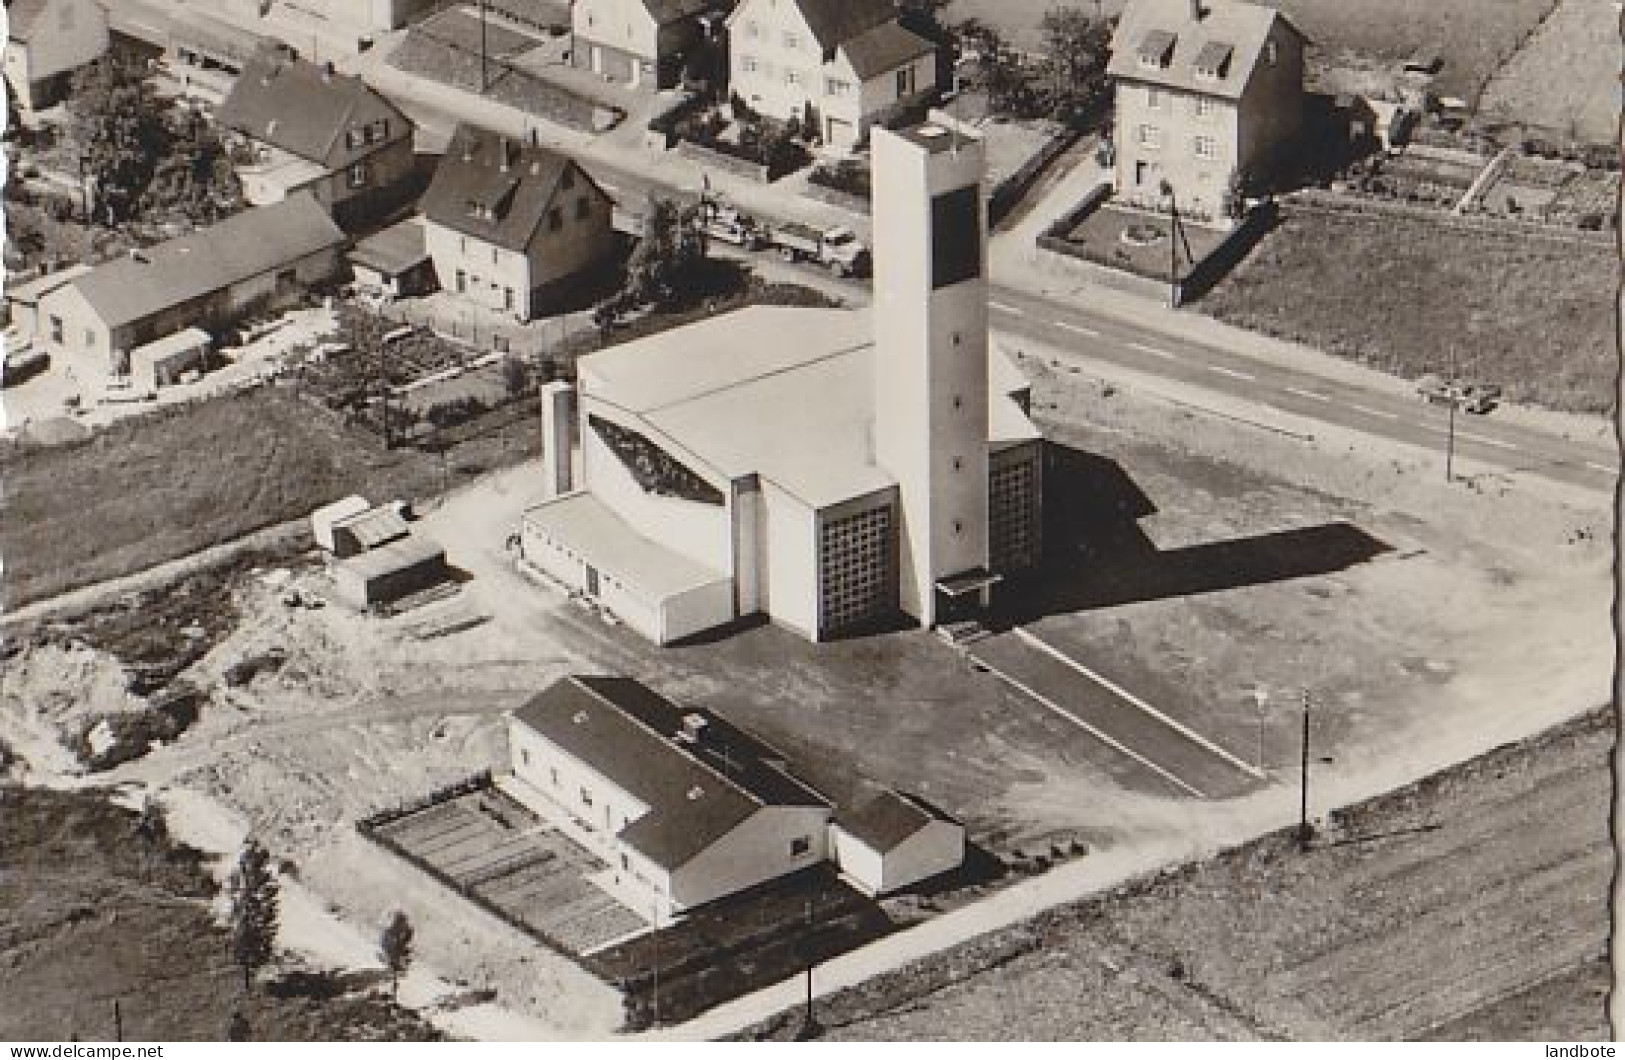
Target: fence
(708,156)
(1010,190)
(1317,201)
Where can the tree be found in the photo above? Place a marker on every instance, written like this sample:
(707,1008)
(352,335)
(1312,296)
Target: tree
(118,122)
(669,256)
(396,946)
(237,1030)
(253,892)
(1076,50)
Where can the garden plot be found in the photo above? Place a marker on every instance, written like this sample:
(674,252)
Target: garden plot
(493,849)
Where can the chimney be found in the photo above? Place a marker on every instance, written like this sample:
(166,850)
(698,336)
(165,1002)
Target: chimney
(1197,10)
(558,418)
(535,137)
(506,158)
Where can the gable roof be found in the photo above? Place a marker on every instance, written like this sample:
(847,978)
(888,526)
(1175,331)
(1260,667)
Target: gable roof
(884,48)
(1215,55)
(697,792)
(478,192)
(21,16)
(884,819)
(244,245)
(308,110)
(667,11)
(834,22)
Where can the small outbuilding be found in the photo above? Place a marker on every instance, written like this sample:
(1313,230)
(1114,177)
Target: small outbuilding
(166,361)
(323,519)
(394,263)
(390,572)
(365,531)
(890,840)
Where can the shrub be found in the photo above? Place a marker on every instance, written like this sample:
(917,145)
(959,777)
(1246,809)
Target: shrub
(848,175)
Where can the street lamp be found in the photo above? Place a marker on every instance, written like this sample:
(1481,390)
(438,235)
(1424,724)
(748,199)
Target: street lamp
(1173,244)
(809,1028)
(1453,393)
(1261,697)
(1304,831)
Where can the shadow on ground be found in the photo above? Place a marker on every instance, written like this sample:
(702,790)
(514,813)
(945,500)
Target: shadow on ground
(1097,555)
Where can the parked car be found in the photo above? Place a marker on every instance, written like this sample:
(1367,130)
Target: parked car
(1477,398)
(23,364)
(732,225)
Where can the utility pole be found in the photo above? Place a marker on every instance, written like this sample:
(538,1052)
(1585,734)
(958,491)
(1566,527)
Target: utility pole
(1303,788)
(118,1022)
(485,79)
(383,395)
(654,994)
(1173,245)
(1450,435)
(809,1025)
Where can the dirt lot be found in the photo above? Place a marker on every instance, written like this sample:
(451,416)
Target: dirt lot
(1566,78)
(1472,905)
(1531,314)
(93,913)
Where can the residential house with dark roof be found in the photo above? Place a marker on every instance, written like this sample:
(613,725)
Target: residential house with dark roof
(846,64)
(48,40)
(509,223)
(684,808)
(641,43)
(313,129)
(1207,91)
(262,259)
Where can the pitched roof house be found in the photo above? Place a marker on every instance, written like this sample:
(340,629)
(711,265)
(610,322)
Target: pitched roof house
(47,41)
(261,258)
(641,43)
(507,222)
(318,130)
(849,64)
(684,807)
(1209,92)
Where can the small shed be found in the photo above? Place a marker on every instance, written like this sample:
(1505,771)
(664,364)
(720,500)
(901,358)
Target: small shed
(323,518)
(164,362)
(394,262)
(367,530)
(390,572)
(888,840)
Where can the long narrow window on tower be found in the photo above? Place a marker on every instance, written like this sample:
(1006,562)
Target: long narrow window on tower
(956,237)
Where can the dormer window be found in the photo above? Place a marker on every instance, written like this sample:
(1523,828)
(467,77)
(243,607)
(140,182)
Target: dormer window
(1156,50)
(1213,61)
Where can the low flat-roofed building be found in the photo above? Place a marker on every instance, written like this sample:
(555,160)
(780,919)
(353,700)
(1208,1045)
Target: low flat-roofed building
(684,808)
(390,572)
(163,363)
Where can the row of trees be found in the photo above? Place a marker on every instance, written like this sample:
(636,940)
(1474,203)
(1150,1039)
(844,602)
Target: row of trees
(146,156)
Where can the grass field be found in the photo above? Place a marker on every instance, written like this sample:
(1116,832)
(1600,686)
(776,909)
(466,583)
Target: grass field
(1533,315)
(1566,79)
(149,490)
(91,914)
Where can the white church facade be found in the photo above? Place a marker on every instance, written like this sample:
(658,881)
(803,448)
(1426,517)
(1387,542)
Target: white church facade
(830,469)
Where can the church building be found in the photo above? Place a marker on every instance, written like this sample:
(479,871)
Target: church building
(828,468)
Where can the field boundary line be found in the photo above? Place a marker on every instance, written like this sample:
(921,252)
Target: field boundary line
(1135,701)
(1115,745)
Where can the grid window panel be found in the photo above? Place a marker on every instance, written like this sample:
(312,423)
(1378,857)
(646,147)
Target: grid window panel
(854,569)
(1011,492)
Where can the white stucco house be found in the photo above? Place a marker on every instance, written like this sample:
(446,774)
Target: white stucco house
(890,840)
(48,40)
(847,64)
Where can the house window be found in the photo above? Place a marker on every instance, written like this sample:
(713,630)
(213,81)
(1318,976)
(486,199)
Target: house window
(905,81)
(792,77)
(1207,147)
(524,755)
(583,208)
(753,29)
(555,219)
(462,282)
(834,86)
(748,64)
(626,864)
(1202,106)
(358,175)
(554,775)
(791,40)
(57,331)
(1271,53)
(1153,97)
(90,339)
(586,797)
(800,846)
(462,244)
(494,253)
(1149,136)
(1142,173)
(507,299)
